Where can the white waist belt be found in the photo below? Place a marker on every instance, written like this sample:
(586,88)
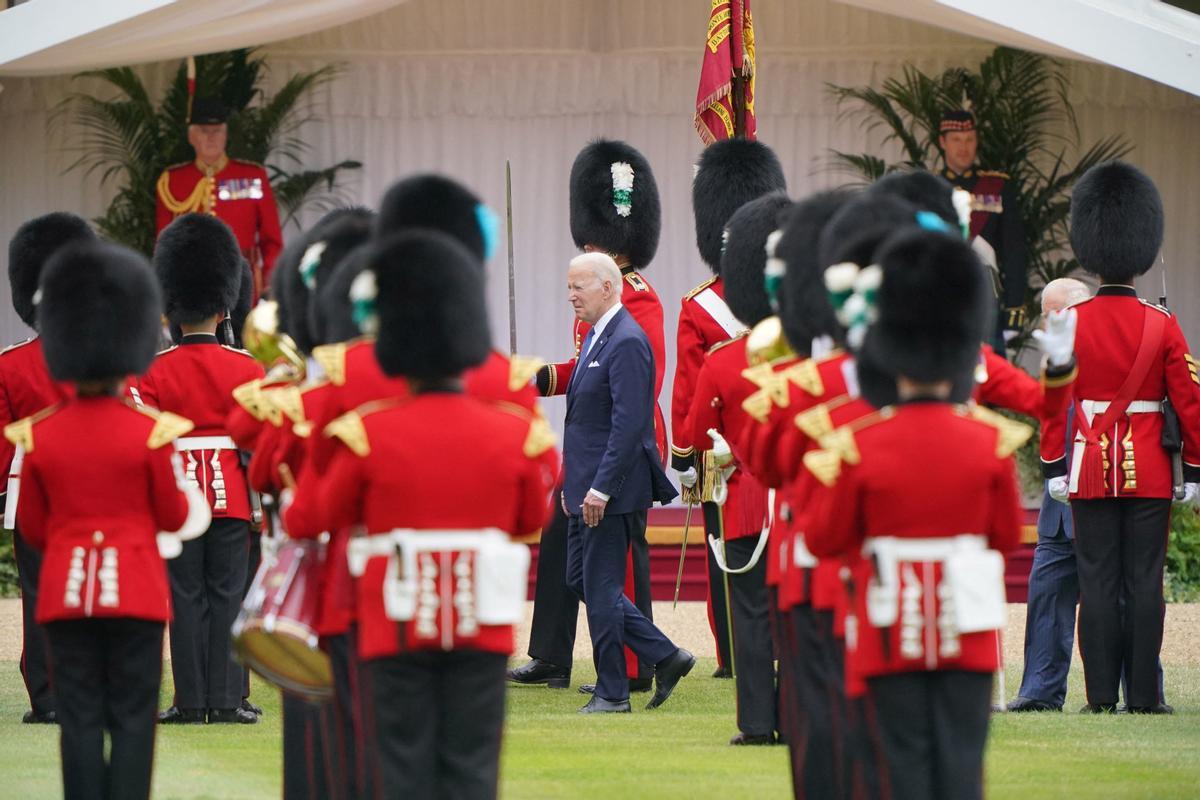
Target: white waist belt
(1094,407)
(186,443)
(362,548)
(896,549)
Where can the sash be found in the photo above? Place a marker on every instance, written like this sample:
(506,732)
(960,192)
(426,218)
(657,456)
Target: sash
(716,307)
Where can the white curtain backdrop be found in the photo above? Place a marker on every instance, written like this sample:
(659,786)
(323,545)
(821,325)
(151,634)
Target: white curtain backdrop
(460,87)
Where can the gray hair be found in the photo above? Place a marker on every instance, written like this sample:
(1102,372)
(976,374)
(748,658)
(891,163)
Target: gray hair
(601,265)
(1071,290)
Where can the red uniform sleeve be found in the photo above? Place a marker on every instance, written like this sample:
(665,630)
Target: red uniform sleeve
(270,238)
(539,479)
(34,508)
(329,500)
(166,498)
(836,524)
(705,410)
(6,447)
(689,357)
(162,217)
(1183,389)
(1005,532)
(1008,386)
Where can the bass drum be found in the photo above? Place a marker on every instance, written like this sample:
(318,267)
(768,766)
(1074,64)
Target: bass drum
(275,633)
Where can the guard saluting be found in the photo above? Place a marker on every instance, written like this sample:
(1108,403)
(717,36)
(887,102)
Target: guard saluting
(199,267)
(1132,356)
(100,482)
(26,388)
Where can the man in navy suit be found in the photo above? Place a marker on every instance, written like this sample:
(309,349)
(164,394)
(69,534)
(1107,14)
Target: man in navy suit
(612,474)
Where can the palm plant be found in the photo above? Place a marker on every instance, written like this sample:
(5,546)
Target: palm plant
(1026,128)
(130,139)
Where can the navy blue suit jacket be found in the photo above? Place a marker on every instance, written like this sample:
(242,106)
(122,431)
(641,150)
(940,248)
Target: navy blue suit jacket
(1054,520)
(608,443)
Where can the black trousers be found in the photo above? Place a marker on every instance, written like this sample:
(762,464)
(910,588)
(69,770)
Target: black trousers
(556,606)
(342,724)
(1120,547)
(254,559)
(106,678)
(34,667)
(207,581)
(717,619)
(307,765)
(817,732)
(933,727)
(753,648)
(439,718)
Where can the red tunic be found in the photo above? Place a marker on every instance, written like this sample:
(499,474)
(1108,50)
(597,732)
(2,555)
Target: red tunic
(196,380)
(411,465)
(240,196)
(924,471)
(1106,341)
(1008,386)
(643,304)
(97,485)
(698,332)
(25,389)
(720,389)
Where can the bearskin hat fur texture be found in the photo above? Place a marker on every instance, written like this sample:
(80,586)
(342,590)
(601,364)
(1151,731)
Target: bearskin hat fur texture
(729,174)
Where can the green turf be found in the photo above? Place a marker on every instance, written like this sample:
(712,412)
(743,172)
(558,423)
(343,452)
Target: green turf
(678,751)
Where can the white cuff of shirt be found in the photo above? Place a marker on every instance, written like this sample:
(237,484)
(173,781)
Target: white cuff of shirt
(601,495)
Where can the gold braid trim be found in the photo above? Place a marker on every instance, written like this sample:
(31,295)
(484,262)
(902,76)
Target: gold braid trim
(194,202)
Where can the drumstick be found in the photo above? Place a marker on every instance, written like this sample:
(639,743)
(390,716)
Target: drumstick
(285,474)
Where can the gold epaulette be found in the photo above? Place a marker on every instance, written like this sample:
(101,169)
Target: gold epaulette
(332,358)
(772,391)
(1191,367)
(167,426)
(726,342)
(521,370)
(540,437)
(993,173)
(839,445)
(815,422)
(251,397)
(20,433)
(634,279)
(700,288)
(1012,434)
(805,376)
(350,429)
(15,346)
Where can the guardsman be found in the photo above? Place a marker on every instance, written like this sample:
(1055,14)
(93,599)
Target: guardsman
(615,210)
(235,191)
(926,490)
(26,388)
(199,266)
(1120,481)
(441,586)
(729,174)
(997,231)
(104,498)
(726,380)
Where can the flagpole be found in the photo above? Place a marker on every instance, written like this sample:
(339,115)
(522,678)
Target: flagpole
(512,272)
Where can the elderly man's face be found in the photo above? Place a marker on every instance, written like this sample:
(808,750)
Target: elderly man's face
(208,141)
(588,295)
(960,148)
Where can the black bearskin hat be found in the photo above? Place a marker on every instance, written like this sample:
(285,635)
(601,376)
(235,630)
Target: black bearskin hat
(861,225)
(334,316)
(100,312)
(31,246)
(923,189)
(435,202)
(614,202)
(729,174)
(745,256)
(433,320)
(1116,222)
(804,308)
(934,307)
(237,314)
(199,266)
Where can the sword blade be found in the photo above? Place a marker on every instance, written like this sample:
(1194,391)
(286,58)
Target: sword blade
(687,526)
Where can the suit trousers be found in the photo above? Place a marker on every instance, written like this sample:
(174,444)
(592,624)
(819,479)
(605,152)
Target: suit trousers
(207,581)
(34,667)
(933,727)
(753,648)
(439,718)
(816,713)
(556,606)
(1050,620)
(718,622)
(307,766)
(106,678)
(1120,548)
(596,572)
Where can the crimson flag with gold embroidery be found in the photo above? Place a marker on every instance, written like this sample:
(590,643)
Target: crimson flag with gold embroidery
(728,53)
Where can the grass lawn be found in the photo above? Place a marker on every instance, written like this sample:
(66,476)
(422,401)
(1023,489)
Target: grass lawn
(678,751)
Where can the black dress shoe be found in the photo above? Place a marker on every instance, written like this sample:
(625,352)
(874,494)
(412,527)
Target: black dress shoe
(181,716)
(225,716)
(1160,708)
(722,673)
(40,718)
(537,672)
(667,673)
(635,685)
(752,739)
(1101,708)
(1029,704)
(248,706)
(598,705)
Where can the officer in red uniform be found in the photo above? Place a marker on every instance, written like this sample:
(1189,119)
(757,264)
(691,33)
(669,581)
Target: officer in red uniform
(237,192)
(927,491)
(1132,355)
(26,388)
(995,217)
(725,381)
(440,585)
(100,488)
(614,209)
(729,174)
(199,267)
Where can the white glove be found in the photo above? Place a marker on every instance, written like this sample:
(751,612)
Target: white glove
(1190,490)
(721,450)
(1058,339)
(1060,488)
(687,478)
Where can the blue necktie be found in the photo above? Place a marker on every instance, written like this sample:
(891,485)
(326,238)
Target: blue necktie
(580,363)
